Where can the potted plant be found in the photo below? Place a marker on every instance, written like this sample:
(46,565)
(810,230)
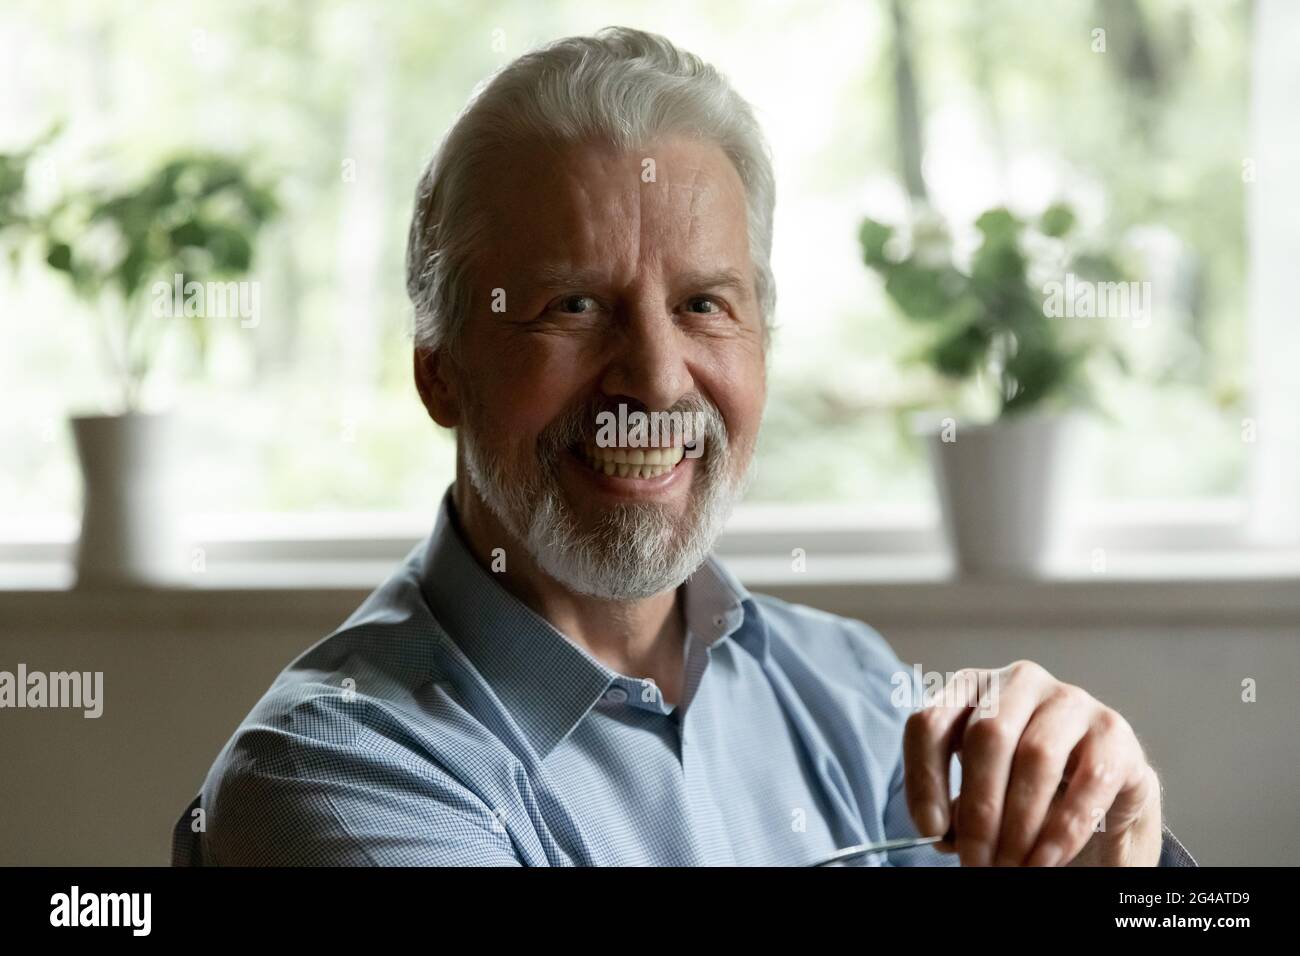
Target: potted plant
(144,259)
(989,331)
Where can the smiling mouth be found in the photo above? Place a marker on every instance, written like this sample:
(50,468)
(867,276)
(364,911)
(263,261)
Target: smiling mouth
(631,462)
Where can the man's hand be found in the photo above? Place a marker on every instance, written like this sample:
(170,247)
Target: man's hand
(1049,774)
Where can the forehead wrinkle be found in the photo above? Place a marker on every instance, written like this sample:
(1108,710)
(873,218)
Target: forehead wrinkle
(692,215)
(610,229)
(609,220)
(665,215)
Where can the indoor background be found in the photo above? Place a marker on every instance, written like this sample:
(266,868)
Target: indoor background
(304,466)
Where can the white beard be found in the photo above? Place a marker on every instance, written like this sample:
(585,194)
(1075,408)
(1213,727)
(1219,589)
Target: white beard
(635,550)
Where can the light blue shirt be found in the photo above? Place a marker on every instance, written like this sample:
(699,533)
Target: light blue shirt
(447,723)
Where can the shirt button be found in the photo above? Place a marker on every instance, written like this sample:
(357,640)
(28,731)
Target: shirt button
(718,620)
(616,695)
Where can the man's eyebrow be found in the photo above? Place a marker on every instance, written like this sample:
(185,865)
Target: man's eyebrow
(563,277)
(719,279)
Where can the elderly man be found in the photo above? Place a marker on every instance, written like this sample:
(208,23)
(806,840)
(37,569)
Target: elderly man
(561,674)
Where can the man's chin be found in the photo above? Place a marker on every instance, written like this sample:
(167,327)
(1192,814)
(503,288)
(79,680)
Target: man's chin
(616,550)
(652,528)
(614,575)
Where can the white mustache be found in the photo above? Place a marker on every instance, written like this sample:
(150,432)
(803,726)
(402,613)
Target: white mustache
(575,428)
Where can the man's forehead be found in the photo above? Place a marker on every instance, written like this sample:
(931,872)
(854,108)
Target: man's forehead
(594,178)
(674,161)
(571,208)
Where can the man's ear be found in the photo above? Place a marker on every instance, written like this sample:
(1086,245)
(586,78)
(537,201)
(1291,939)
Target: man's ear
(436,387)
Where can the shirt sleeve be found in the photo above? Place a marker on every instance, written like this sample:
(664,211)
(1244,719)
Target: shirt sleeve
(1172,852)
(281,798)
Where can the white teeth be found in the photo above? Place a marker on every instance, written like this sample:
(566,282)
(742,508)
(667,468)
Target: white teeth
(634,462)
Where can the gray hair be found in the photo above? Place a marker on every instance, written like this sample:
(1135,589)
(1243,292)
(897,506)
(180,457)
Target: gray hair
(626,87)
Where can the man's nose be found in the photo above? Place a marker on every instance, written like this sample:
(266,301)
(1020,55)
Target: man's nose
(649,363)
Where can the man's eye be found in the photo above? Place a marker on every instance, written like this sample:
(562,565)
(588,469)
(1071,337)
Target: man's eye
(575,304)
(703,305)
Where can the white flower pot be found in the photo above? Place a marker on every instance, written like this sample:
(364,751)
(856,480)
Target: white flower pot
(129,532)
(1002,492)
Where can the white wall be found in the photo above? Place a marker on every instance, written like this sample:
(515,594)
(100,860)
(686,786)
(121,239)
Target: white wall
(182,670)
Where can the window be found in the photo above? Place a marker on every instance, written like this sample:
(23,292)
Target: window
(312,412)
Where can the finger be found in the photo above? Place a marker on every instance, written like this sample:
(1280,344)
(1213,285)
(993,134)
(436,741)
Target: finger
(1137,790)
(988,745)
(949,842)
(929,738)
(1104,761)
(1037,768)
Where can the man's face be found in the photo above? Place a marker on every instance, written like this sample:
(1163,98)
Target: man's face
(613,290)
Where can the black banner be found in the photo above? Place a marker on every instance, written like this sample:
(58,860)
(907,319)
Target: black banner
(931,905)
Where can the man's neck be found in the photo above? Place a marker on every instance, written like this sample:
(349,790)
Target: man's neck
(643,638)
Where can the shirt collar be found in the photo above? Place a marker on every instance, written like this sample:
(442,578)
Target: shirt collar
(718,606)
(545,681)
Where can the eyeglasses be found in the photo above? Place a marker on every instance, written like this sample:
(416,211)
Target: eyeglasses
(884,846)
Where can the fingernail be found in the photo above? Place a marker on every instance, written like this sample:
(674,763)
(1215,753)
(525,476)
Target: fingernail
(932,821)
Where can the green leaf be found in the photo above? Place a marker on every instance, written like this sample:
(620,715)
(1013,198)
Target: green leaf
(231,249)
(1057,220)
(60,257)
(999,268)
(873,236)
(1039,371)
(998,225)
(189,233)
(958,353)
(923,292)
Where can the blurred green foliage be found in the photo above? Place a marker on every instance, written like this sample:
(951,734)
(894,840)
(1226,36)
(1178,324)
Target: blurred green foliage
(1015,106)
(989,318)
(196,216)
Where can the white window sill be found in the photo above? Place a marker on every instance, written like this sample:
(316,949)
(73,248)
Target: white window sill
(1171,563)
(1207,588)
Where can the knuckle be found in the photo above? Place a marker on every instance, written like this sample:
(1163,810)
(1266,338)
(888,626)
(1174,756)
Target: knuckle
(1026,669)
(1072,696)
(1111,722)
(1098,772)
(1076,824)
(989,733)
(1035,756)
(1022,791)
(979,815)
